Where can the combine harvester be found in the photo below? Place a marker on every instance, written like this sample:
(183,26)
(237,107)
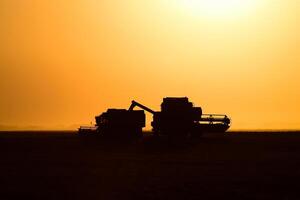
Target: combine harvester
(178,117)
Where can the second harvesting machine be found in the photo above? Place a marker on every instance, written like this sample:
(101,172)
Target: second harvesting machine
(178,116)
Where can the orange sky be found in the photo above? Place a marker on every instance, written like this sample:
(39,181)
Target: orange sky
(63,62)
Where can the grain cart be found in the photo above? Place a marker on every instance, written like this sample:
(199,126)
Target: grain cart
(120,123)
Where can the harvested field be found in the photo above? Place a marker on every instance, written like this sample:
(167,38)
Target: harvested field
(61,165)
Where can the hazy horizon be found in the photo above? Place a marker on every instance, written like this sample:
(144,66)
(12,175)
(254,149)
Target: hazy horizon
(63,62)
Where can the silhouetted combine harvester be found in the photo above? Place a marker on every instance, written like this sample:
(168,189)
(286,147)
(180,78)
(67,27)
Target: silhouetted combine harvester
(178,117)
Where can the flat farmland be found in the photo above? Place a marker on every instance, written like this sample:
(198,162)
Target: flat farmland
(237,165)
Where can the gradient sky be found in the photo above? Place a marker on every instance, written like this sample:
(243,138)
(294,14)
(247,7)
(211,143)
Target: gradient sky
(63,62)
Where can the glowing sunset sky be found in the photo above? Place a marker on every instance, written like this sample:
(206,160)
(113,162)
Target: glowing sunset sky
(63,62)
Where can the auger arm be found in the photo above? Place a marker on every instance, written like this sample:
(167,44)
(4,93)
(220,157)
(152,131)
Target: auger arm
(134,104)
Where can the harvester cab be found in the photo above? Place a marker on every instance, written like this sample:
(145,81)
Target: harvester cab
(177,117)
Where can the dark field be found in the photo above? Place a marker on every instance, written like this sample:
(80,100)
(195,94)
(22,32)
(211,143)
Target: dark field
(61,165)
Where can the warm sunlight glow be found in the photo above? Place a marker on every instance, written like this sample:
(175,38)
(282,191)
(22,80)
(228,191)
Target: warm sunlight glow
(64,62)
(219,8)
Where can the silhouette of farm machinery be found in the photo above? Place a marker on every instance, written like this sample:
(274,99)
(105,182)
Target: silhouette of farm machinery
(178,117)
